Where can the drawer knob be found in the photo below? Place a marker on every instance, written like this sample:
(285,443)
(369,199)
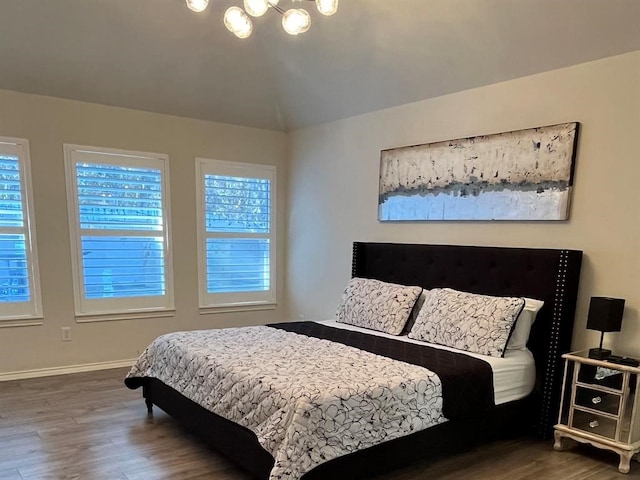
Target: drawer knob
(596,400)
(594,423)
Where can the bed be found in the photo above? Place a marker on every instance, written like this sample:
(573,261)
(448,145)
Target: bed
(548,275)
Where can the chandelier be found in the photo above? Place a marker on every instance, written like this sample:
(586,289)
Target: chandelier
(294,20)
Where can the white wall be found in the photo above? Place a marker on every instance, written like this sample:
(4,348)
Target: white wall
(48,123)
(333,185)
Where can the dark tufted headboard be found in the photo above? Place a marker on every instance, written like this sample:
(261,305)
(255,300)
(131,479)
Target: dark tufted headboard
(544,274)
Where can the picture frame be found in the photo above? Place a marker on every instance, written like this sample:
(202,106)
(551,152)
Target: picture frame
(522,175)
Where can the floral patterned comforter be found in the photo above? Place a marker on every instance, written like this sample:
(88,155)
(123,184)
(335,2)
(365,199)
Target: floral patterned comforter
(307,400)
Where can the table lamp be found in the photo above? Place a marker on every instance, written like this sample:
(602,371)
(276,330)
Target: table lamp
(605,315)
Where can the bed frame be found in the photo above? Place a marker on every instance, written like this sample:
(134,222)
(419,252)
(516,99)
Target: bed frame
(549,275)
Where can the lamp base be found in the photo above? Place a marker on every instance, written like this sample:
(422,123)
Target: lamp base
(599,353)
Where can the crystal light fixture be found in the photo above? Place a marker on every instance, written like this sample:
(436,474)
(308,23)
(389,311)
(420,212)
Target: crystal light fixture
(327,7)
(257,8)
(197,5)
(237,22)
(294,20)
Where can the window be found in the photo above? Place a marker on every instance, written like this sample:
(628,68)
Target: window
(119,221)
(19,280)
(236,238)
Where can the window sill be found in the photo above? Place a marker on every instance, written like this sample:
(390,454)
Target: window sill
(236,307)
(21,322)
(118,316)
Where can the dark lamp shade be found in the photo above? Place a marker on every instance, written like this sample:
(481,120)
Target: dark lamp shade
(605,314)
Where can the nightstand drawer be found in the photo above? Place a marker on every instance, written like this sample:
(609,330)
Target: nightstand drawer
(595,400)
(607,377)
(594,424)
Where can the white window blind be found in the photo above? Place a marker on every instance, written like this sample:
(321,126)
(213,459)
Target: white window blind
(120,230)
(236,233)
(19,280)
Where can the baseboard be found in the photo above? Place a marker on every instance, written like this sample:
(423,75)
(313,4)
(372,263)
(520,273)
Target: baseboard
(51,371)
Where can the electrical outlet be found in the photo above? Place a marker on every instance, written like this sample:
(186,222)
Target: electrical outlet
(66,334)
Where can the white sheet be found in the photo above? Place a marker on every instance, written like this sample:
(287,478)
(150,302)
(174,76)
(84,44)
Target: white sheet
(513,376)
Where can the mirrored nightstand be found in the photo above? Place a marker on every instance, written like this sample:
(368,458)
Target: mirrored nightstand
(599,406)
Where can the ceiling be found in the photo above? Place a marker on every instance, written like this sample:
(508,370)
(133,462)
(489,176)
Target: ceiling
(157,55)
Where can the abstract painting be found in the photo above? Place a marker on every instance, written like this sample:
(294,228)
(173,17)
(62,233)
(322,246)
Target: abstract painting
(519,175)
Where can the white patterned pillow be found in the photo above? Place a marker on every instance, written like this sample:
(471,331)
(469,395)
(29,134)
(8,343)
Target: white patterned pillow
(377,305)
(467,321)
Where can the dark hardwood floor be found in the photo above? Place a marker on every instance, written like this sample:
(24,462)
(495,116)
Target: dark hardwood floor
(90,426)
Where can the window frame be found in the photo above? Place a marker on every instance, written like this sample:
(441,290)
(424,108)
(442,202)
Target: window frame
(89,310)
(15,313)
(236,301)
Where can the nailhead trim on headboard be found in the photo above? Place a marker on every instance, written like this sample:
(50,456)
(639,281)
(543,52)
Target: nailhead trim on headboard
(550,376)
(354,258)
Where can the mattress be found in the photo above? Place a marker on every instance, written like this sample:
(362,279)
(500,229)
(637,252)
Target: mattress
(514,375)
